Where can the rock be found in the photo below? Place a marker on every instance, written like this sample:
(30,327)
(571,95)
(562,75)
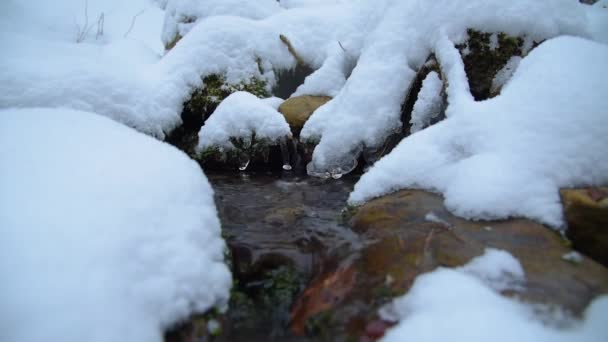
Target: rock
(298,109)
(404,242)
(284,216)
(586,212)
(484,54)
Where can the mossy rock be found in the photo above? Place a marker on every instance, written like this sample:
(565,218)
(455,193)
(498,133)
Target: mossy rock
(297,110)
(244,153)
(586,212)
(484,54)
(204,100)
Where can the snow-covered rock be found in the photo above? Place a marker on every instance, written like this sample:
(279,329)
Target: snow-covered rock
(106,234)
(508,156)
(456,305)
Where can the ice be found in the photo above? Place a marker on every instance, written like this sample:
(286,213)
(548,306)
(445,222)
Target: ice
(107,234)
(509,155)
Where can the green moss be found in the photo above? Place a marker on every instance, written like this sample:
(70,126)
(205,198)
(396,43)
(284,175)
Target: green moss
(203,101)
(320,325)
(281,285)
(482,61)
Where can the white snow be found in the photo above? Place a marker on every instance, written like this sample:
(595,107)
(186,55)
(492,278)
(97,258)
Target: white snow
(428,104)
(241,115)
(504,75)
(573,257)
(367,108)
(107,234)
(182,15)
(43,65)
(123,78)
(497,269)
(453,305)
(509,155)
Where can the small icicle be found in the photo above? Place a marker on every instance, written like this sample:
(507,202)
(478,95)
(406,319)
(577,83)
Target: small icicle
(243,161)
(285,154)
(336,173)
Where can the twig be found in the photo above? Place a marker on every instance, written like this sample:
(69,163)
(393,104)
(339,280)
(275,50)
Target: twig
(133,22)
(343,49)
(83,32)
(293,51)
(100,22)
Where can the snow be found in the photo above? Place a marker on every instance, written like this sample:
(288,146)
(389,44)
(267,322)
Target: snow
(509,155)
(367,108)
(497,269)
(504,75)
(43,65)
(125,79)
(456,305)
(242,115)
(107,234)
(182,15)
(428,104)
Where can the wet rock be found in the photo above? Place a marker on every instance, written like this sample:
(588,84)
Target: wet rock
(586,212)
(202,103)
(410,233)
(284,216)
(298,109)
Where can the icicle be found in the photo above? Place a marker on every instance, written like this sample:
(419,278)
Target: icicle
(243,161)
(285,154)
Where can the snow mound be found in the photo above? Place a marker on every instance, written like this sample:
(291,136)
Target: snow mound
(428,104)
(182,15)
(107,234)
(110,74)
(509,155)
(242,115)
(452,305)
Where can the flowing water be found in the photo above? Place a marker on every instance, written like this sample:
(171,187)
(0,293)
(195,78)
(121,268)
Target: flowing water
(280,230)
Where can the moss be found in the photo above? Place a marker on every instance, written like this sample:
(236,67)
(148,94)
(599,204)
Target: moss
(281,285)
(482,62)
(203,101)
(320,326)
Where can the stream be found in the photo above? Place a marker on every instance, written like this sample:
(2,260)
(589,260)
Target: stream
(281,230)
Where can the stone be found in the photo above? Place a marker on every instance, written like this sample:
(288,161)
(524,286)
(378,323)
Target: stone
(586,213)
(403,243)
(484,54)
(298,109)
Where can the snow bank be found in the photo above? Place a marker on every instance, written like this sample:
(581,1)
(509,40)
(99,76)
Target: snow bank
(452,305)
(113,75)
(242,115)
(509,155)
(107,234)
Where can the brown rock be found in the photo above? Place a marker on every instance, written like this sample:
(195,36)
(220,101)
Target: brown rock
(298,109)
(402,244)
(586,212)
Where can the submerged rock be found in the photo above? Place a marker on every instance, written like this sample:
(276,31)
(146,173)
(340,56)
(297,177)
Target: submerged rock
(586,212)
(298,109)
(411,233)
